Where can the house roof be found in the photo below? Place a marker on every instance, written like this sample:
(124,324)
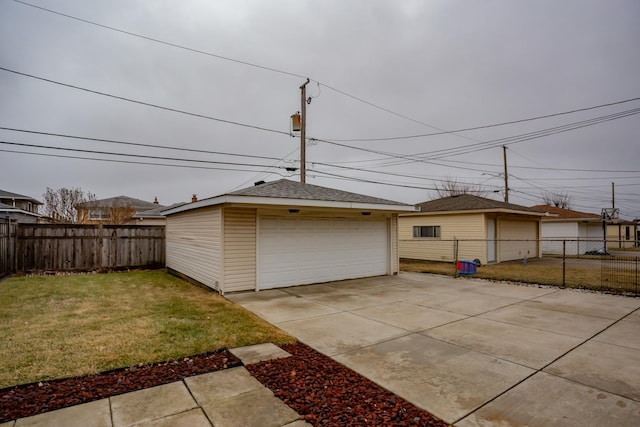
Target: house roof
(470,202)
(157,212)
(9,195)
(566,214)
(121,201)
(8,208)
(292,193)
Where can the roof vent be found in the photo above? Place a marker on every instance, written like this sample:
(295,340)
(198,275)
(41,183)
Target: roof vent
(258,183)
(194,198)
(155,201)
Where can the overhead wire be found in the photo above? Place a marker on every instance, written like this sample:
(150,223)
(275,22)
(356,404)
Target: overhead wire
(137,144)
(148,104)
(546,116)
(144,156)
(127,161)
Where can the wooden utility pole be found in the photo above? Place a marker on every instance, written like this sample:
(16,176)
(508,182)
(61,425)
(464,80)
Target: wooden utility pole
(506,174)
(613,195)
(303,131)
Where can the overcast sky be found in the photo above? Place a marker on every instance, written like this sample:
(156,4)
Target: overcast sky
(378,69)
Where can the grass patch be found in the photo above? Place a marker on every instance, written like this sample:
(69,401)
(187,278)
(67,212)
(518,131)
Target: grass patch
(64,326)
(536,271)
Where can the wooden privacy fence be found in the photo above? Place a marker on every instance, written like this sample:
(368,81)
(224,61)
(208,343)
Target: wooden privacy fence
(7,246)
(74,247)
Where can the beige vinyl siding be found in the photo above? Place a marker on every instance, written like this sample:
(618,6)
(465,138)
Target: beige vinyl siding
(517,239)
(470,229)
(239,249)
(194,245)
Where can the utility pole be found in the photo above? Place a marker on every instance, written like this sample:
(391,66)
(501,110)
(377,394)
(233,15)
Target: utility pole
(613,195)
(303,131)
(506,175)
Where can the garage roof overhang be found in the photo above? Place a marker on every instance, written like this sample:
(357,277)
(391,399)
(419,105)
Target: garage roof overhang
(253,201)
(479,211)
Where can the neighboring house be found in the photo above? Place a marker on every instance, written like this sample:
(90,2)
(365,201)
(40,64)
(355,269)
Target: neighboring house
(19,207)
(153,216)
(114,210)
(488,230)
(282,233)
(622,234)
(582,232)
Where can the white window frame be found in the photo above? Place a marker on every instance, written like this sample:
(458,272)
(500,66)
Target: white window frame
(418,231)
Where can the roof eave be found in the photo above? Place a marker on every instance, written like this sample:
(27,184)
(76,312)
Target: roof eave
(278,201)
(472,211)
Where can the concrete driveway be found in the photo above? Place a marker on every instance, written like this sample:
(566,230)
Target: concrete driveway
(473,352)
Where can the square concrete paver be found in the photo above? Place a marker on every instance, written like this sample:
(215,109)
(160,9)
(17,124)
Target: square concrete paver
(259,408)
(150,404)
(463,303)
(92,414)
(587,303)
(512,291)
(544,400)
(625,333)
(223,384)
(612,368)
(526,346)
(407,316)
(337,333)
(444,379)
(259,352)
(287,308)
(192,418)
(576,325)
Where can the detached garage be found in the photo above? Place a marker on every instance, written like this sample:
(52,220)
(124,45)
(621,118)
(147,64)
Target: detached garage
(488,230)
(282,233)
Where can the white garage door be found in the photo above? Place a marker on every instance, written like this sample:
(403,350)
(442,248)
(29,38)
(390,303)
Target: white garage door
(296,251)
(518,239)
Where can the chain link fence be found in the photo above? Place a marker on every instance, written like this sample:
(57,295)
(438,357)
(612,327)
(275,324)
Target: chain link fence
(571,263)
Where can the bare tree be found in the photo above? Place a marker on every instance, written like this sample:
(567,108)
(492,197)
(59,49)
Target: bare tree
(559,200)
(60,204)
(453,187)
(120,214)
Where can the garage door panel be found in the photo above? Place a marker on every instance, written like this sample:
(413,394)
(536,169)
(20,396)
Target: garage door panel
(295,251)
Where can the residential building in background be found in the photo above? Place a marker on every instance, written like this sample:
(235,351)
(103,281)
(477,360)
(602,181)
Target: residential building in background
(20,208)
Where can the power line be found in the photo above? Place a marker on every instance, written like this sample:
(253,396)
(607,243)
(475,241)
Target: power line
(226,58)
(148,104)
(130,161)
(486,126)
(175,45)
(143,156)
(485,145)
(137,144)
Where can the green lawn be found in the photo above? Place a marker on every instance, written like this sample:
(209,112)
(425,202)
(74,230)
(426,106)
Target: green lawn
(64,326)
(537,271)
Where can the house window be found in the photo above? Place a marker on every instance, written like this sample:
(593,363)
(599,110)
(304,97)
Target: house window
(432,231)
(627,233)
(99,214)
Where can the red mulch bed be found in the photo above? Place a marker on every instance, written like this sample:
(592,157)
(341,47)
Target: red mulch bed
(31,399)
(320,389)
(326,393)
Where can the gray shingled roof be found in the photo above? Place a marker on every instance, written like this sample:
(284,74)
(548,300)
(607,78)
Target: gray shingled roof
(565,213)
(9,195)
(121,201)
(469,202)
(157,212)
(297,190)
